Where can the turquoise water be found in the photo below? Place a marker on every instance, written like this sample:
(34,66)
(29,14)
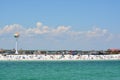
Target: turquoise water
(59,70)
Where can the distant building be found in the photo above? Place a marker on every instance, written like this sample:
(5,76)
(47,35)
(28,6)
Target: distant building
(114,51)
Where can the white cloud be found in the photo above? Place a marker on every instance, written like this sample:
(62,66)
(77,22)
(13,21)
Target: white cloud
(11,29)
(37,30)
(96,32)
(38,24)
(60,31)
(90,34)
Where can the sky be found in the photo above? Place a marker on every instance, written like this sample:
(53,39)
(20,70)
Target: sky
(60,24)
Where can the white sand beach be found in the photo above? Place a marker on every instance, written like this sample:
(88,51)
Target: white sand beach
(60,57)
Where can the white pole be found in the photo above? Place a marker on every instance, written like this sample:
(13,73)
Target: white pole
(16,52)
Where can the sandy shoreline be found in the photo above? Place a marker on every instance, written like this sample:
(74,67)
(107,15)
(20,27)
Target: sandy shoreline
(59,57)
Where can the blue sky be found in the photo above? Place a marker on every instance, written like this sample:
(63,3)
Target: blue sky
(60,24)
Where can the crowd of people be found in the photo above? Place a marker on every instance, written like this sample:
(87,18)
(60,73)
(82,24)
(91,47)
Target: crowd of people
(60,57)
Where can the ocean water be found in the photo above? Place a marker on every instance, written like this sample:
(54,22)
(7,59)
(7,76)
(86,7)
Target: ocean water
(60,70)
